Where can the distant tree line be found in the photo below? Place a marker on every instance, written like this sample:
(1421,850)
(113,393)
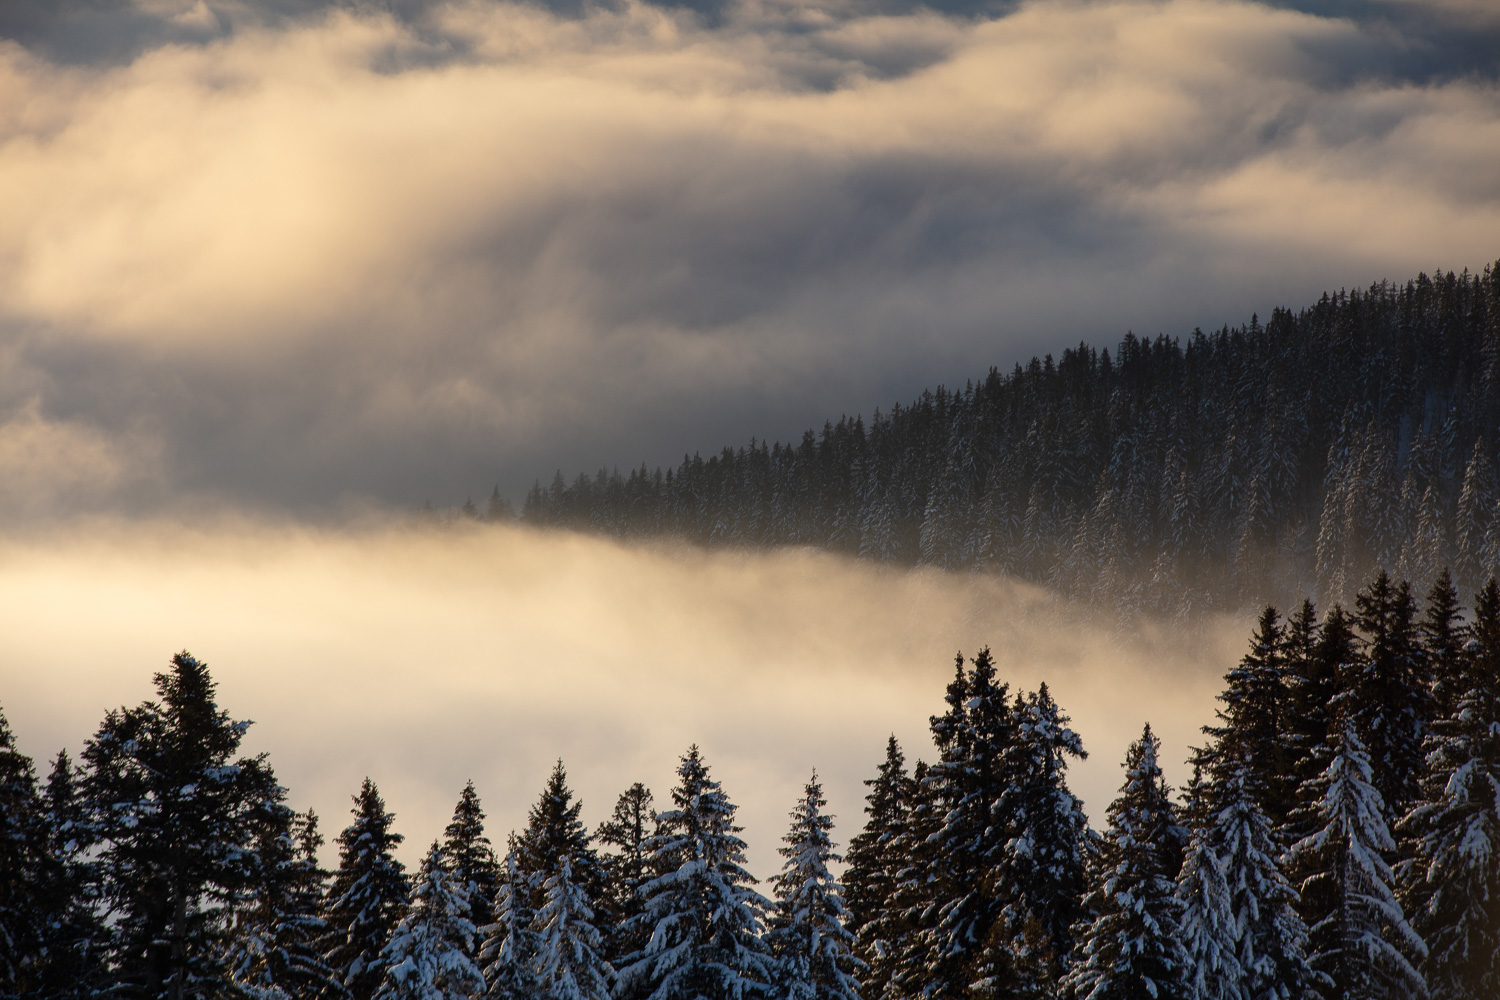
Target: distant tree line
(1337,842)
(1244,466)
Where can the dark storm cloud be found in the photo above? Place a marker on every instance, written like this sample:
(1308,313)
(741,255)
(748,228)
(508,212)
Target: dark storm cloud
(293,256)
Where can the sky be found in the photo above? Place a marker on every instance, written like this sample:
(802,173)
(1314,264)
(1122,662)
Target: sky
(303,257)
(273,272)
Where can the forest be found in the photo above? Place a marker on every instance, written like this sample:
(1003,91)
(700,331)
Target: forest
(1245,466)
(1337,840)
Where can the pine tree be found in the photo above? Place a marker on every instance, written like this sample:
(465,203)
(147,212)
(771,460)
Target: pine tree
(469,857)
(814,950)
(625,868)
(1255,706)
(1452,887)
(571,963)
(874,864)
(1360,944)
(1132,950)
(174,813)
(705,917)
(430,954)
(511,946)
(1269,937)
(276,952)
(368,897)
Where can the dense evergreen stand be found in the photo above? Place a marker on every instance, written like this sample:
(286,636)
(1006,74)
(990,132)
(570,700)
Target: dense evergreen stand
(1301,864)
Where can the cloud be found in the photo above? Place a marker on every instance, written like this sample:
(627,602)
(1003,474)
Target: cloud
(426,658)
(319,253)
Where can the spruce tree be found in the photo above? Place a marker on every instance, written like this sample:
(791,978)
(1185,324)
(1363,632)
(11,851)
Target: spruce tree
(1317,686)
(815,952)
(706,918)
(174,814)
(368,896)
(875,861)
(470,858)
(554,831)
(625,868)
(571,963)
(279,931)
(1389,701)
(975,782)
(1040,880)
(1452,886)
(1254,714)
(24,863)
(917,893)
(1360,944)
(430,954)
(1208,927)
(1132,950)
(511,948)
(1442,636)
(1269,937)
(76,939)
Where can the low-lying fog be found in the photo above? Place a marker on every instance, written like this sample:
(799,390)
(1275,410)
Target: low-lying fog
(425,657)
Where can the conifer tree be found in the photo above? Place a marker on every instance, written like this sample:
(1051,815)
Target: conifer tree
(511,948)
(571,963)
(1388,702)
(430,954)
(368,897)
(1268,936)
(706,918)
(1040,880)
(1317,685)
(75,937)
(1132,949)
(1442,635)
(875,861)
(1254,713)
(174,814)
(625,868)
(813,949)
(973,778)
(24,860)
(917,892)
(469,857)
(1208,928)
(554,831)
(1360,944)
(276,954)
(1452,886)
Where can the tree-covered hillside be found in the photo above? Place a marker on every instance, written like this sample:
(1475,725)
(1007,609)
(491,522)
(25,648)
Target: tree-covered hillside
(1264,462)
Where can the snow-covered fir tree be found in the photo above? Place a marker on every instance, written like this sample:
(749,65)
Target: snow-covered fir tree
(814,950)
(875,862)
(1209,932)
(470,858)
(1255,707)
(1268,935)
(368,896)
(279,930)
(511,947)
(1040,882)
(553,832)
(571,963)
(430,954)
(76,938)
(705,916)
(173,813)
(1132,950)
(1360,944)
(1451,887)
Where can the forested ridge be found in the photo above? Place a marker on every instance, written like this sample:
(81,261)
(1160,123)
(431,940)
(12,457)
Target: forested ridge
(1171,476)
(1338,840)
